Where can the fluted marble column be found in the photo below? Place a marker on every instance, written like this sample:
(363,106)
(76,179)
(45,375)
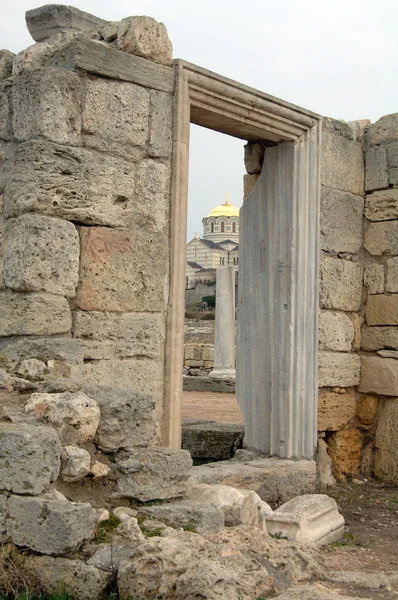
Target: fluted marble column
(224,344)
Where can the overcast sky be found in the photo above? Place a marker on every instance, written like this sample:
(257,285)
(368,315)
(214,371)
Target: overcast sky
(338,58)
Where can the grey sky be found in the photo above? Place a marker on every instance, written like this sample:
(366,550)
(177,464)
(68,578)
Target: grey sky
(337,58)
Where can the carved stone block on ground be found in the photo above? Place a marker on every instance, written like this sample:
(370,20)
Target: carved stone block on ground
(154,473)
(42,253)
(382,205)
(52,527)
(47,103)
(341,284)
(382,238)
(338,369)
(195,513)
(379,375)
(345,451)
(29,458)
(376,338)
(336,331)
(209,439)
(312,519)
(382,310)
(335,410)
(376,175)
(143,36)
(122,270)
(386,457)
(341,221)
(33,314)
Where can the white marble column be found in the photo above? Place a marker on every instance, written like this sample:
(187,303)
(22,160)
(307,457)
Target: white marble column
(224,344)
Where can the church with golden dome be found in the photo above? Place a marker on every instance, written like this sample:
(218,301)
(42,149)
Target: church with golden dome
(219,245)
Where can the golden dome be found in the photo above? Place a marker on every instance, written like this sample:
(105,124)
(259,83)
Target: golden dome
(224,210)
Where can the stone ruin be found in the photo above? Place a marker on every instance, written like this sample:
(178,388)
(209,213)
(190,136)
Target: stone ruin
(94,132)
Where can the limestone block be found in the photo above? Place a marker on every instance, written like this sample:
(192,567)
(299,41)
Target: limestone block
(208,353)
(52,527)
(108,557)
(342,163)
(153,473)
(366,409)
(124,512)
(3,519)
(72,183)
(75,463)
(95,325)
(382,310)
(386,456)
(51,19)
(42,253)
(392,161)
(47,103)
(99,469)
(209,439)
(382,205)
(376,175)
(74,415)
(31,368)
(335,410)
(194,363)
(116,117)
(63,575)
(368,461)
(375,338)
(254,157)
(29,458)
(341,221)
(6,59)
(130,531)
(109,31)
(249,181)
(379,375)
(127,418)
(382,238)
(325,478)
(373,278)
(312,519)
(144,376)
(341,284)
(5,111)
(33,314)
(358,127)
(384,130)
(338,369)
(160,124)
(197,513)
(345,451)
(122,270)
(336,331)
(7,154)
(143,36)
(152,195)
(392,275)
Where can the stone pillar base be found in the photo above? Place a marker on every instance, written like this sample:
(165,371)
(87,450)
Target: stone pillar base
(223,374)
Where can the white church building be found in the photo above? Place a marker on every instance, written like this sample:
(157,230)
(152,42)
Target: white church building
(219,245)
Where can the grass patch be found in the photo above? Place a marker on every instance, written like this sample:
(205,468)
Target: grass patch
(105,529)
(277,536)
(347,540)
(190,528)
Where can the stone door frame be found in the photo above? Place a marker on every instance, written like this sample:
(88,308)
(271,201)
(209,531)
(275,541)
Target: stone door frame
(210,100)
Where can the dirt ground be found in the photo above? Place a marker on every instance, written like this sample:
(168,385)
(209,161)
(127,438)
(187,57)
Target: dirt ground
(211,406)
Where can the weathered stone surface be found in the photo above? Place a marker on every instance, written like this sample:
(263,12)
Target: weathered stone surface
(108,557)
(313,592)
(336,331)
(357,321)
(152,195)
(379,375)
(116,117)
(143,36)
(33,314)
(29,458)
(127,418)
(335,410)
(341,284)
(52,527)
(366,409)
(124,512)
(209,439)
(386,457)
(153,473)
(249,181)
(367,466)
(42,253)
(384,130)
(208,384)
(392,275)
(382,206)
(311,519)
(47,103)
(5,111)
(31,368)
(60,575)
(342,163)
(382,310)
(6,59)
(122,271)
(99,469)
(338,369)
(382,238)
(373,278)
(376,175)
(341,221)
(358,127)
(3,519)
(376,338)
(73,183)
(324,463)
(274,480)
(345,451)
(388,353)
(146,375)
(130,531)
(51,19)
(254,157)
(75,463)
(7,154)
(160,124)
(109,31)
(195,513)
(74,415)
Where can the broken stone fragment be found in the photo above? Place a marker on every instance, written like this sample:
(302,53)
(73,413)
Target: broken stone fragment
(198,514)
(99,469)
(31,368)
(130,531)
(108,558)
(75,463)
(124,512)
(52,19)
(6,59)
(143,36)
